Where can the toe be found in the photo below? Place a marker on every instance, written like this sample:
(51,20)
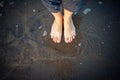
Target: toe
(55,39)
(73,36)
(71,39)
(58,40)
(66,39)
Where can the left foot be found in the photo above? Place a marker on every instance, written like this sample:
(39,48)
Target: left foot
(56,30)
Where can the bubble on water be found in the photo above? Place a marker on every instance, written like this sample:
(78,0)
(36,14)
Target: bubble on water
(102,42)
(80,62)
(34,10)
(100,2)
(75,13)
(1,3)
(40,27)
(86,11)
(16,25)
(44,33)
(0,14)
(80,44)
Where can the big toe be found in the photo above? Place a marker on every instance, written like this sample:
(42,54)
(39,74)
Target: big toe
(68,39)
(58,40)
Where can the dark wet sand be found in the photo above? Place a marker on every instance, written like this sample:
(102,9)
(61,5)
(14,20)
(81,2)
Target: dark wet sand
(25,54)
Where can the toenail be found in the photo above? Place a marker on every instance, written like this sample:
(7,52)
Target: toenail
(73,37)
(58,41)
(66,41)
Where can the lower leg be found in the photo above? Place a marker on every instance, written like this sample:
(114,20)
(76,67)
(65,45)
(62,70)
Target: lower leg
(56,30)
(69,28)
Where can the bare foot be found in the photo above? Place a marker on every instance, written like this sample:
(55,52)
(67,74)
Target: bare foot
(56,30)
(69,30)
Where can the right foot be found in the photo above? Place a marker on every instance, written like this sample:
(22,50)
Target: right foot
(69,28)
(56,30)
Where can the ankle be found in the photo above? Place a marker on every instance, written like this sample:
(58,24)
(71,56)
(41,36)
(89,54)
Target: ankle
(67,13)
(58,19)
(57,16)
(67,19)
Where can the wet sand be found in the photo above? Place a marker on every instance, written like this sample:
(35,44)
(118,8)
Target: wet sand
(28,53)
